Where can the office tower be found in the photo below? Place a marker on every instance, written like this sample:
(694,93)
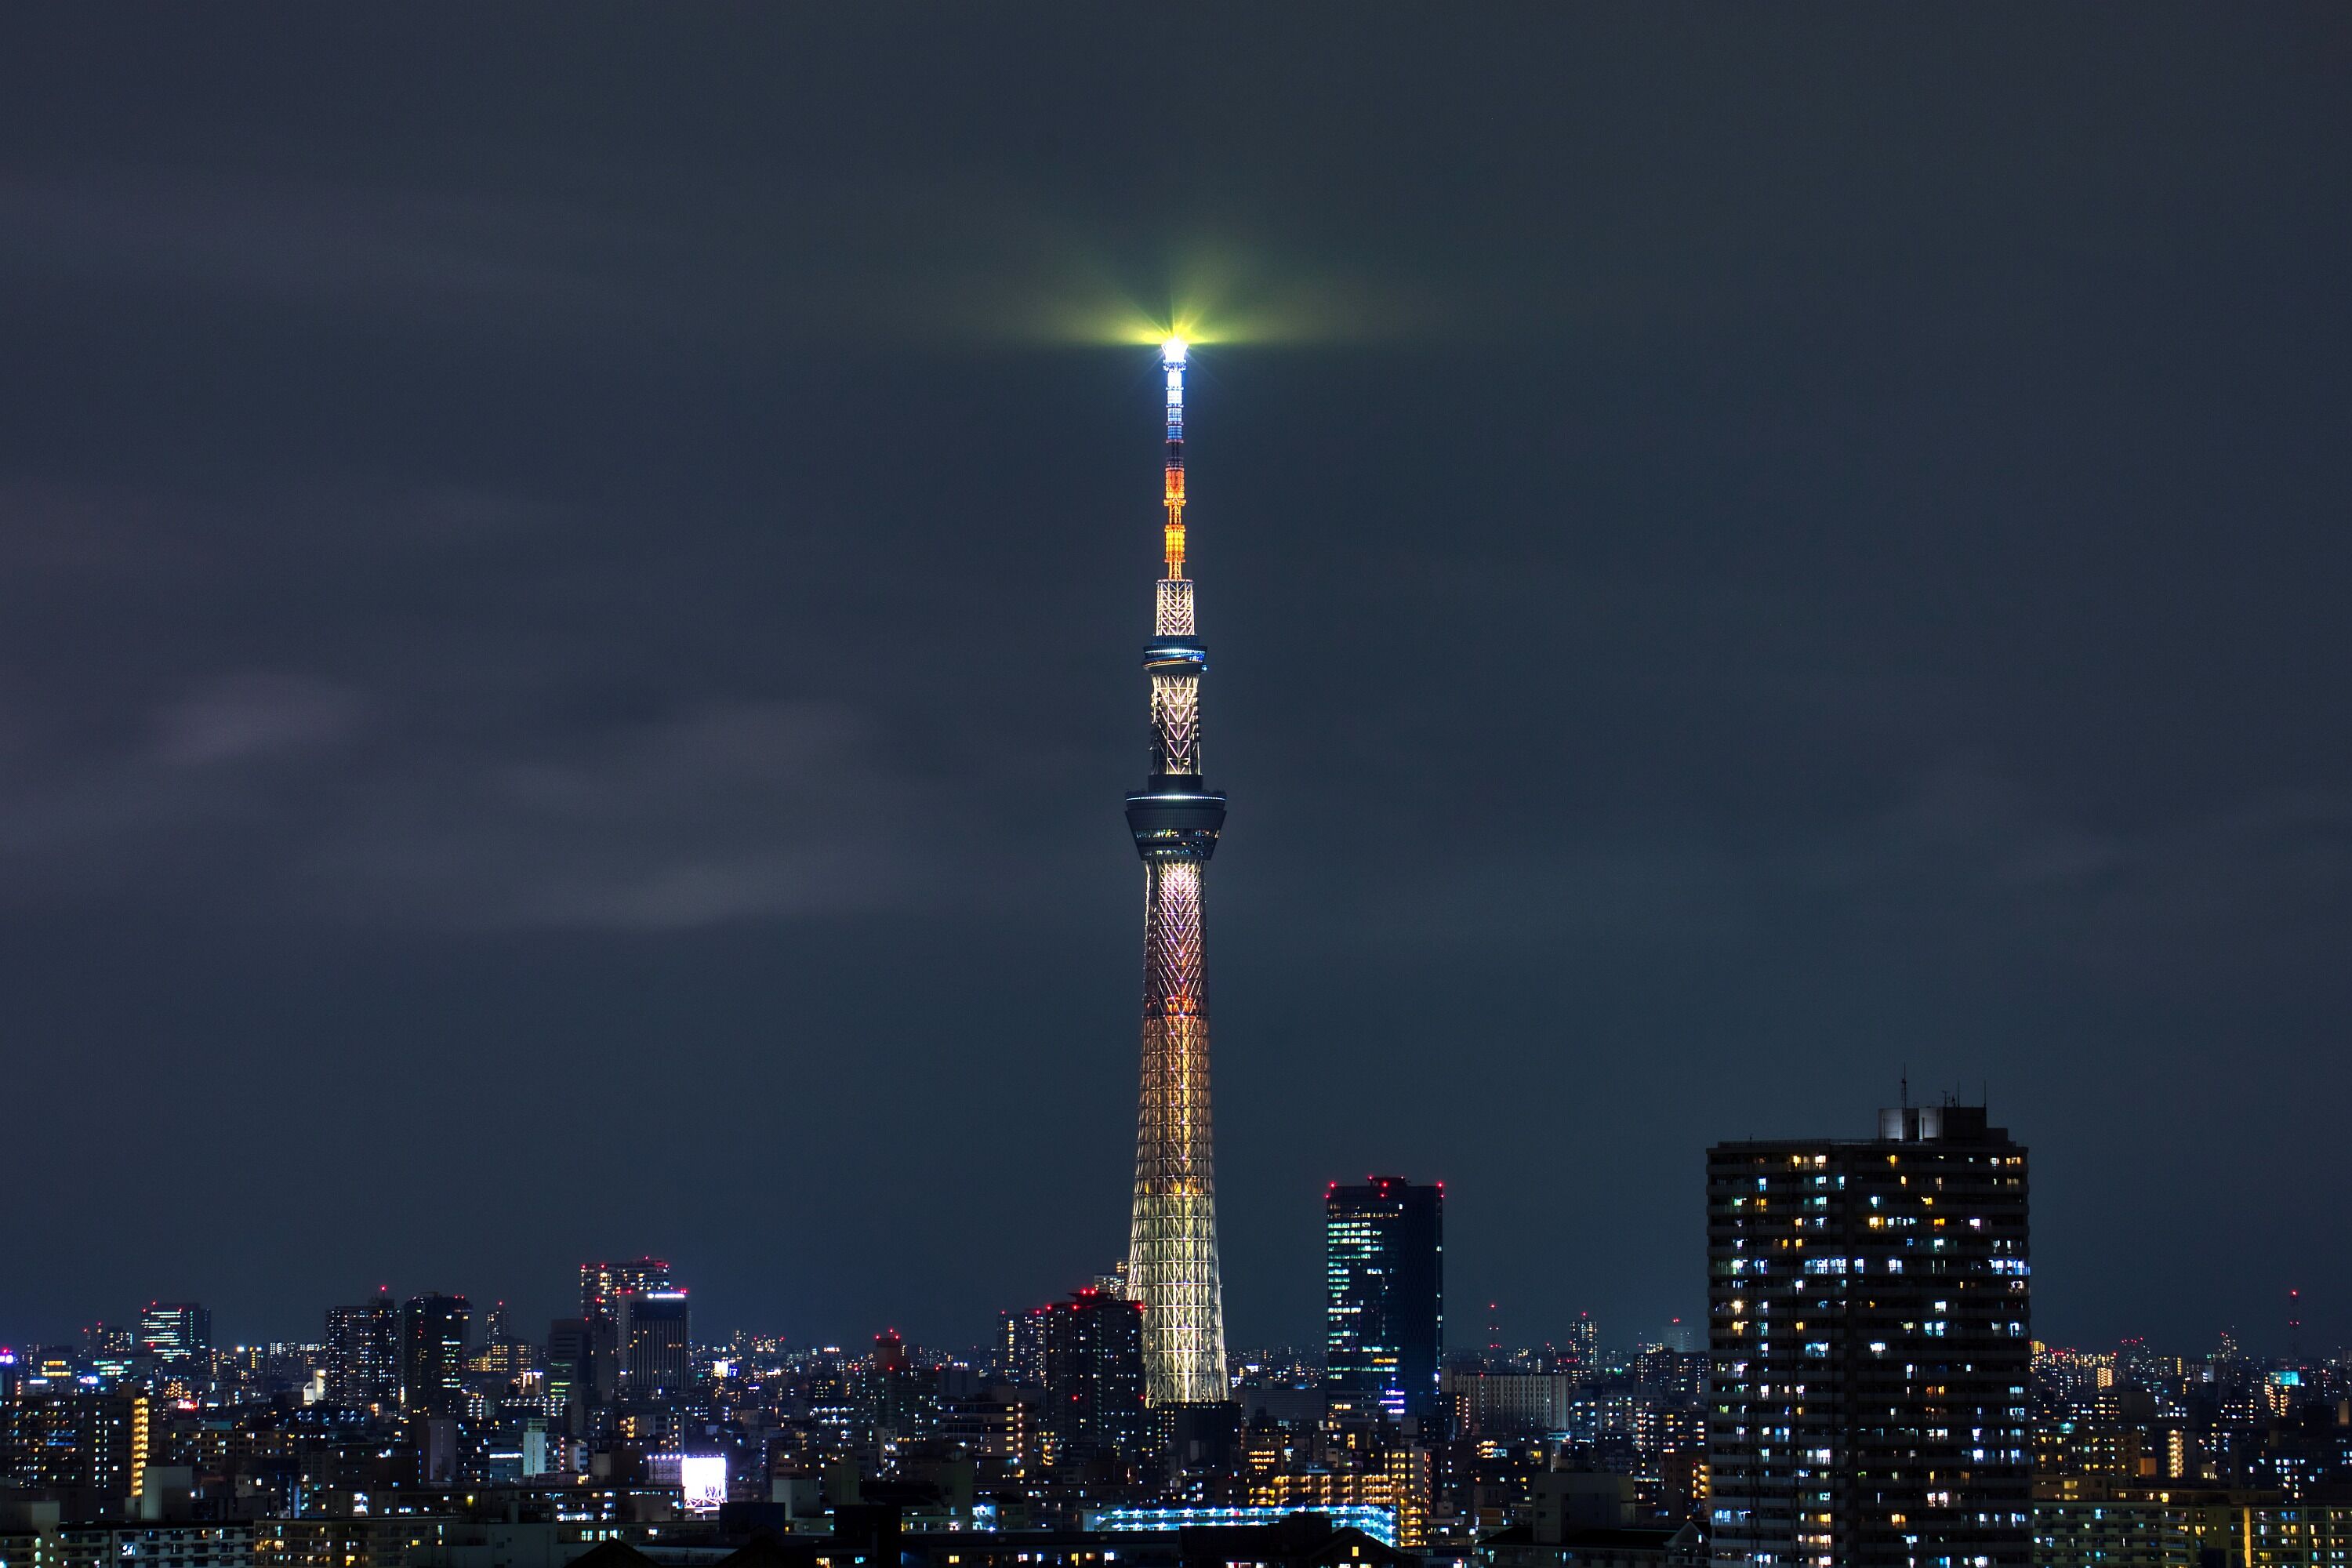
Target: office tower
(1175,820)
(76,1441)
(571,1367)
(433,1331)
(1870,1344)
(654,1361)
(504,1354)
(364,1353)
(1094,1374)
(601,1285)
(1384,1269)
(177,1334)
(497,1330)
(108,1341)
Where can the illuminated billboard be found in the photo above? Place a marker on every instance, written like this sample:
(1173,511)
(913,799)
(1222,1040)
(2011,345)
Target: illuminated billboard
(702,1481)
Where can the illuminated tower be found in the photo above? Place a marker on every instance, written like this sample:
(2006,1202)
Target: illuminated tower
(1172,1246)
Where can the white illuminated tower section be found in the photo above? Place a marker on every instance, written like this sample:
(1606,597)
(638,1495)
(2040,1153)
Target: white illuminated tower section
(1172,1247)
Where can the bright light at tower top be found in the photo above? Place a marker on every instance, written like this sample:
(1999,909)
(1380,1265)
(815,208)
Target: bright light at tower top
(1171,351)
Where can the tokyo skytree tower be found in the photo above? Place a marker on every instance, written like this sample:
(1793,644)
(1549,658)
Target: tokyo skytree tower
(1172,1262)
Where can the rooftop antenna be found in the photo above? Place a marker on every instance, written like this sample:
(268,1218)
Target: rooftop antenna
(1905,1083)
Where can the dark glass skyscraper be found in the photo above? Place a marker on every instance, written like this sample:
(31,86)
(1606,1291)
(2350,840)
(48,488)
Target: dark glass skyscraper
(1870,1339)
(1384,1261)
(572,1368)
(432,1329)
(656,1362)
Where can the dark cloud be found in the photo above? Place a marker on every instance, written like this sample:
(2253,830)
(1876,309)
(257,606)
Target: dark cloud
(711,815)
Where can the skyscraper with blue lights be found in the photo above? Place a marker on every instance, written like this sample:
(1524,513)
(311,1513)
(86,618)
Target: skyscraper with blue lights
(1384,1261)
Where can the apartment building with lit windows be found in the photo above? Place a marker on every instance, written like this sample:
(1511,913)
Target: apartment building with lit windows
(1870,1341)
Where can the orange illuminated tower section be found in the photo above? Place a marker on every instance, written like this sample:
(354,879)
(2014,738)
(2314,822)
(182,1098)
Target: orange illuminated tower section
(1172,1244)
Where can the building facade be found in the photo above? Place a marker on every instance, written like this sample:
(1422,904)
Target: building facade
(1384,1269)
(2162,1527)
(1398,1480)
(1484,1403)
(1870,1339)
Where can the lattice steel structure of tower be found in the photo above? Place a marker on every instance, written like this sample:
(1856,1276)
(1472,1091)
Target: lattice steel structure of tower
(1172,1244)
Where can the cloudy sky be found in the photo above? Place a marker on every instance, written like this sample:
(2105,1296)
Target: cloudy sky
(570,589)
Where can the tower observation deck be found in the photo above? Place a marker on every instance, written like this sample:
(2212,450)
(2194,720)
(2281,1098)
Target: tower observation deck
(1172,1244)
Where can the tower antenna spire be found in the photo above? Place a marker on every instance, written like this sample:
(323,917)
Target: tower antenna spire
(1172,355)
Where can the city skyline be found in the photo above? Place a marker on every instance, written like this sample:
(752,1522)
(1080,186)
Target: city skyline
(2290,1331)
(568,650)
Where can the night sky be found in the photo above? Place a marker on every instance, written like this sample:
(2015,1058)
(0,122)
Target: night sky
(570,586)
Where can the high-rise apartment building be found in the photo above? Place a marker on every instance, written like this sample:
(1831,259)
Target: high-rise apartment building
(177,1334)
(1384,1269)
(1584,1343)
(1023,1356)
(1094,1375)
(87,1445)
(364,1353)
(1870,1341)
(432,1329)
